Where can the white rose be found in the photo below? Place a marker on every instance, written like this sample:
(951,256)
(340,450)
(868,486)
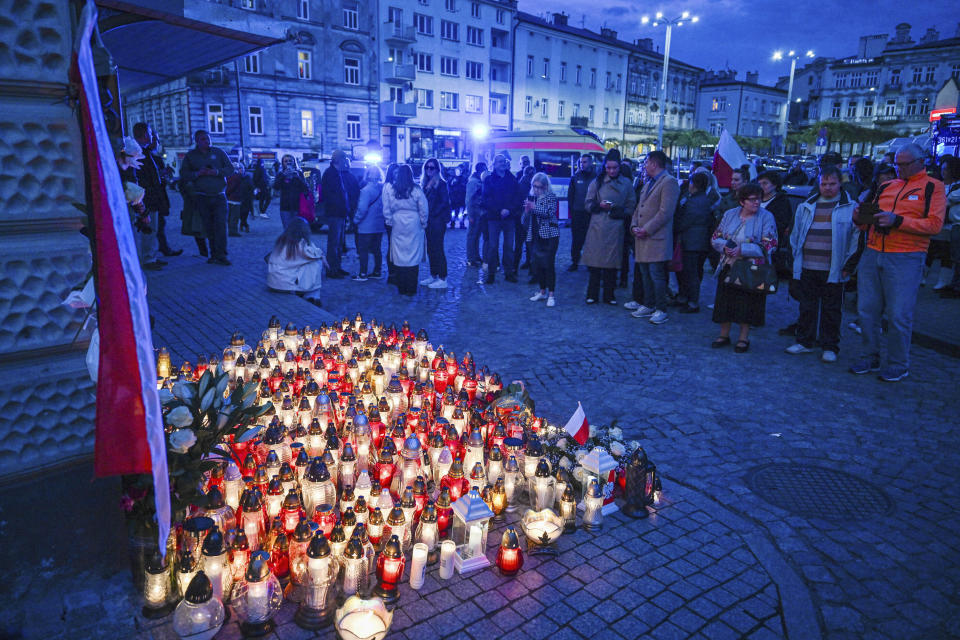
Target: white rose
(565,462)
(617,448)
(165,396)
(634,445)
(562,443)
(184,391)
(579,453)
(182,439)
(593,431)
(616,433)
(580,474)
(180,417)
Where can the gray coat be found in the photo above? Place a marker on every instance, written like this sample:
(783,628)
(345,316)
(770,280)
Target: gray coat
(603,245)
(654,214)
(369,216)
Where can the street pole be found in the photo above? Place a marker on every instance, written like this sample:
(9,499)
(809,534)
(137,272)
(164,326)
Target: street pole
(663,86)
(236,79)
(786,110)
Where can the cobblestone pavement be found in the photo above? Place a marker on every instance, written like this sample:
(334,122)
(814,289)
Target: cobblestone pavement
(718,561)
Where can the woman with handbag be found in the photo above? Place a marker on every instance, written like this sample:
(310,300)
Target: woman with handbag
(745,237)
(369,221)
(543,236)
(610,200)
(692,225)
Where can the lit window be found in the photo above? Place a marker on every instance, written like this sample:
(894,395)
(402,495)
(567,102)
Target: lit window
(351,71)
(215,118)
(306,123)
(255,118)
(353,126)
(304,66)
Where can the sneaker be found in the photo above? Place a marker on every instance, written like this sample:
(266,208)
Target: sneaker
(828,356)
(427,281)
(865,365)
(658,317)
(359,278)
(631,305)
(551,302)
(643,312)
(855,327)
(797,349)
(439,283)
(893,374)
(539,295)
(591,301)
(612,302)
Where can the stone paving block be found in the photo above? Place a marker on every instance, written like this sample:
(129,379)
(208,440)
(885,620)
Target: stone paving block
(589,549)
(739,619)
(539,628)
(664,575)
(513,590)
(566,584)
(552,570)
(609,610)
(528,606)
(291,631)
(507,619)
(566,633)
(442,600)
(600,588)
(448,622)
(618,578)
(587,624)
(581,601)
(668,631)
(483,629)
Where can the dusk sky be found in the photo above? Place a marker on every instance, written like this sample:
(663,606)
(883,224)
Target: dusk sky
(743,35)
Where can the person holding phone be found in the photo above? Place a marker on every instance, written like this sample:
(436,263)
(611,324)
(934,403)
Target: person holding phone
(206,168)
(543,236)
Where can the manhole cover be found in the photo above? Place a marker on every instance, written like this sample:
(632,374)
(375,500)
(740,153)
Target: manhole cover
(818,492)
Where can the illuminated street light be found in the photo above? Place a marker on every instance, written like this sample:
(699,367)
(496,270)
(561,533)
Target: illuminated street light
(778,56)
(670,24)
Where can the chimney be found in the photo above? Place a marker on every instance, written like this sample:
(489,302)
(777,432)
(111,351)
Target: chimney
(753,77)
(872,46)
(609,34)
(646,44)
(902,34)
(932,35)
(560,19)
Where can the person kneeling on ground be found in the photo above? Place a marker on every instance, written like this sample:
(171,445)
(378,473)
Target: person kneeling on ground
(296,264)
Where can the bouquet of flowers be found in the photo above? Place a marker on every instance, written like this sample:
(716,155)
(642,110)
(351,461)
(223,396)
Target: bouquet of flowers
(562,450)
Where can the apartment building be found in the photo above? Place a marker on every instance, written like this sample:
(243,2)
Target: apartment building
(742,107)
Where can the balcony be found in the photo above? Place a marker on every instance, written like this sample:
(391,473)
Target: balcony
(398,35)
(500,54)
(499,120)
(500,86)
(391,112)
(884,119)
(394,73)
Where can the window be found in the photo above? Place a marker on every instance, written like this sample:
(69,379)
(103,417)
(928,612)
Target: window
(451,5)
(255,118)
(917,74)
(911,107)
(840,80)
(501,16)
(394,55)
(449,101)
(890,109)
(424,62)
(251,63)
(633,86)
(925,106)
(423,23)
(606,115)
(248,4)
(529,66)
(719,104)
(304,66)
(560,106)
(473,104)
(930,74)
(619,82)
(955,71)
(474,9)
(852,109)
(576,110)
(396,94)
(449,30)
(306,123)
(856,78)
(215,118)
(353,126)
(528,106)
(835,109)
(643,85)
(498,105)
(563,72)
(616,116)
(609,84)
(593,78)
(546,68)
(895,77)
(351,19)
(475,36)
(868,109)
(351,71)
(449,66)
(395,15)
(590,114)
(544,108)
(425,98)
(579,78)
(873,78)
(474,70)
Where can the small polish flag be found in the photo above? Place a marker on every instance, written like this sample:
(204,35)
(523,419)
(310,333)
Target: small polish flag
(577,426)
(729,156)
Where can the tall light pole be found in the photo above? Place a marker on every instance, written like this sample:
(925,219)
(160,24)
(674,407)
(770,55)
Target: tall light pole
(777,56)
(658,20)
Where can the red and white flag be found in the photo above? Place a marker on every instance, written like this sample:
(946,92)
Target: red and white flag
(577,426)
(728,156)
(129,424)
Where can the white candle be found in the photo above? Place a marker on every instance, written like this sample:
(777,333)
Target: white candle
(447,548)
(362,624)
(475,543)
(418,565)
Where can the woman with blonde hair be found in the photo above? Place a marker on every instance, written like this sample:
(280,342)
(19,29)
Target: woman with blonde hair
(543,235)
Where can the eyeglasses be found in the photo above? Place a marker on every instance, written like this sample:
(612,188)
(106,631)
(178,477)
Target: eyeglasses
(907,163)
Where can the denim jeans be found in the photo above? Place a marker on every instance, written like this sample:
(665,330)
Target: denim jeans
(691,276)
(496,226)
(654,285)
(370,244)
(473,237)
(436,229)
(335,228)
(887,285)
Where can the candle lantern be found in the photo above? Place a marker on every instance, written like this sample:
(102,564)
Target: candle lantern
(474,449)
(216,564)
(375,525)
(348,519)
(251,519)
(640,478)
(361,511)
(455,481)
(363,619)
(239,555)
(288,478)
(541,486)
(531,457)
(347,498)
(561,481)
(568,509)
(601,466)
(354,574)
(411,460)
(593,506)
(317,486)
(338,541)
(478,477)
(442,466)
(275,496)
(408,505)
(186,569)
(419,495)
(164,368)
(158,597)
(509,556)
(258,597)
(324,516)
(428,533)
(397,525)
(542,529)
(385,467)
(494,464)
(390,566)
(292,511)
(444,513)
(319,581)
(657,491)
(280,557)
(471,521)
(511,482)
(362,488)
(200,614)
(302,535)
(232,485)
(222,515)
(348,466)
(498,500)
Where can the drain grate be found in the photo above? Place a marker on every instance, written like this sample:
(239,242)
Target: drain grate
(818,492)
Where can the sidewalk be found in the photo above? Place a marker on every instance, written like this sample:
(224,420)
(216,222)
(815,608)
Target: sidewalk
(936,322)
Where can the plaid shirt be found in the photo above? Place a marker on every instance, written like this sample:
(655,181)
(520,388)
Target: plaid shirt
(545,213)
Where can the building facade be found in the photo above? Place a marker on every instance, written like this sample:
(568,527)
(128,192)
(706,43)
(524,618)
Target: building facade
(643,97)
(309,96)
(445,70)
(890,83)
(742,107)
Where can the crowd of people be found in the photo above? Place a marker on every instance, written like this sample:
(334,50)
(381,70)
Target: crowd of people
(872,230)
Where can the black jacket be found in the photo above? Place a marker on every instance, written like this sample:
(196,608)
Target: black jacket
(291,185)
(150,177)
(438,203)
(340,192)
(501,193)
(577,193)
(693,222)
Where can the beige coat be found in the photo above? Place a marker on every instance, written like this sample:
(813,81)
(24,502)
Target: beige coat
(654,214)
(603,246)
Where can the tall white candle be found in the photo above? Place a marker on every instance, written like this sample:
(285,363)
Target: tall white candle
(418,565)
(447,549)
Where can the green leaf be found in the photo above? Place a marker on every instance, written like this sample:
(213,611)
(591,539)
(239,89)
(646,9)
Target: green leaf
(222,383)
(207,399)
(205,381)
(247,435)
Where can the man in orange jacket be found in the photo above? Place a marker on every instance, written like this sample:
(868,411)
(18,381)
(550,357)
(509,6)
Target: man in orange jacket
(911,209)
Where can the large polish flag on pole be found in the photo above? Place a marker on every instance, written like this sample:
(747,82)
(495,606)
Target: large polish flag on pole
(577,426)
(728,156)
(129,425)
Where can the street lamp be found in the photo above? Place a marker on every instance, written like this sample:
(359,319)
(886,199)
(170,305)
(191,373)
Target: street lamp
(658,20)
(794,56)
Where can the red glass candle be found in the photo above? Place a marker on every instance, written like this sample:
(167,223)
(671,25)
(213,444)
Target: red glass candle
(440,380)
(510,557)
(457,486)
(444,513)
(323,515)
(280,557)
(390,565)
(384,471)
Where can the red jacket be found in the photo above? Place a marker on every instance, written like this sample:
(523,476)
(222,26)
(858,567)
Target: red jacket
(917,219)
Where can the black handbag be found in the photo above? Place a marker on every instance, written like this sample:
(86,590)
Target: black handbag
(753,278)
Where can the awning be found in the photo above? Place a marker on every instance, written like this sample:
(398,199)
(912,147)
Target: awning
(154,41)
